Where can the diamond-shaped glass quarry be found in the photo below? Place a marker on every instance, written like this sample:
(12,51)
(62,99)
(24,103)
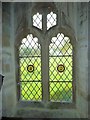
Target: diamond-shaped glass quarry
(30,82)
(60,83)
(51,20)
(37,21)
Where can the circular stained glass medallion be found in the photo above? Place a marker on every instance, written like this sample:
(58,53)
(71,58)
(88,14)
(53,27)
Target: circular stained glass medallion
(30,68)
(61,68)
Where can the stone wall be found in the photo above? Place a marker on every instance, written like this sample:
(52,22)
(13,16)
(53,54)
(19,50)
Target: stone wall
(77,14)
(0,56)
(82,59)
(9,86)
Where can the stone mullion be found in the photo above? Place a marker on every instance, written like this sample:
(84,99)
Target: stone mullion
(45,60)
(45,71)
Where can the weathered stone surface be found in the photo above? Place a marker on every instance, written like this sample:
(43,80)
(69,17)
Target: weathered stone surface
(18,20)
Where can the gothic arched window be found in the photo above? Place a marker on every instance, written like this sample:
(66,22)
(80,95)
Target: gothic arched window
(30,69)
(46,65)
(60,68)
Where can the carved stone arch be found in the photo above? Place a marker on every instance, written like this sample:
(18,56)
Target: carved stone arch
(43,6)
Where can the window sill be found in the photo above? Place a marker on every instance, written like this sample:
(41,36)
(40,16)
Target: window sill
(46,105)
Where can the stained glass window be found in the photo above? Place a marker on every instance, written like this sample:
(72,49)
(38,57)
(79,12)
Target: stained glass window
(30,69)
(60,69)
(51,20)
(37,21)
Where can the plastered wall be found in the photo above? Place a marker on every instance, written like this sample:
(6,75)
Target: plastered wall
(12,23)
(0,56)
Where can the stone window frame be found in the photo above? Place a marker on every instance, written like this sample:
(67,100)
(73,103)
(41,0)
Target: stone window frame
(67,31)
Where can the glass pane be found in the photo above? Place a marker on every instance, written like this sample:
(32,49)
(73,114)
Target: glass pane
(51,20)
(25,75)
(54,74)
(29,47)
(30,68)
(60,68)
(61,91)
(37,21)
(60,45)
(31,91)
